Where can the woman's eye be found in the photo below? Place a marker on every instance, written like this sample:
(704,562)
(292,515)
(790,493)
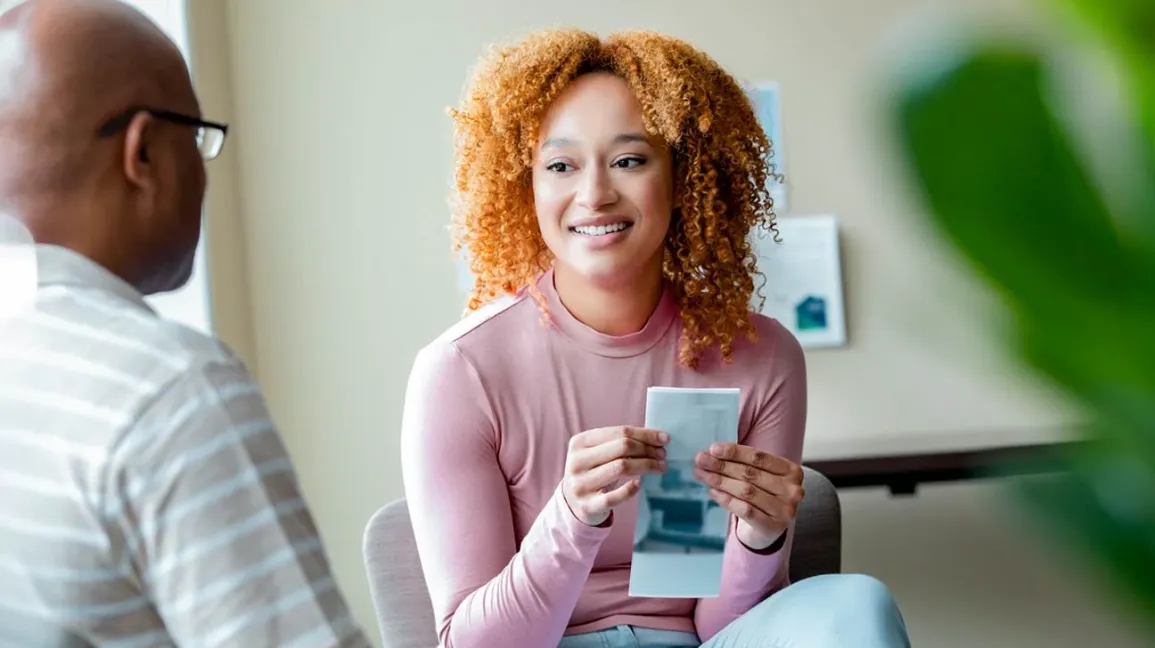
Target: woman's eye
(629,162)
(558,167)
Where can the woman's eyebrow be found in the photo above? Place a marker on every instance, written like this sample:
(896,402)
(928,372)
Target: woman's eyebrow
(560,142)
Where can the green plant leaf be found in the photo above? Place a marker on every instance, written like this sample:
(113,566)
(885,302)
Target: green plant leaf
(1106,361)
(1103,507)
(1124,26)
(1125,31)
(1005,185)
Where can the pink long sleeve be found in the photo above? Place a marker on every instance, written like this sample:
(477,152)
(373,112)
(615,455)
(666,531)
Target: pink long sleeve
(487,590)
(490,410)
(749,577)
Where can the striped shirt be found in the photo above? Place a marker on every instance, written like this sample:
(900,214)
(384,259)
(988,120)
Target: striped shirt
(146,498)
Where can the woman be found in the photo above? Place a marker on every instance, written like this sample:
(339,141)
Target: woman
(606,192)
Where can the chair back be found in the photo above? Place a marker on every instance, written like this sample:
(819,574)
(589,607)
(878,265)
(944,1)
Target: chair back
(405,611)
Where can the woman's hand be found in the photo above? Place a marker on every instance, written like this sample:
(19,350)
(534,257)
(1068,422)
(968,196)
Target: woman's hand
(600,459)
(761,489)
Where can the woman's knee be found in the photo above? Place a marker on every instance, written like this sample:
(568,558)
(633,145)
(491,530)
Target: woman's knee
(832,610)
(859,605)
(854,590)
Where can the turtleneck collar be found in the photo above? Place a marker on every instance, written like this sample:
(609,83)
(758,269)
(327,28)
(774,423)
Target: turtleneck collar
(614,346)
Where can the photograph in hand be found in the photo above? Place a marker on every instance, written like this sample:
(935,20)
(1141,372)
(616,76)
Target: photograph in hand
(681,530)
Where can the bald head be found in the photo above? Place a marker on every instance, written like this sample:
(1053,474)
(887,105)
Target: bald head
(68,67)
(65,65)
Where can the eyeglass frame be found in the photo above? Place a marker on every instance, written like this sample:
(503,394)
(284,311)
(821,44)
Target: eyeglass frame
(124,119)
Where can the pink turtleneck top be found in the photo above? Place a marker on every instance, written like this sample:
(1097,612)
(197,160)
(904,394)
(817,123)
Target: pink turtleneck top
(489,411)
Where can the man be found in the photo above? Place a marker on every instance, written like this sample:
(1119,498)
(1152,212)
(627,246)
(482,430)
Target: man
(145,496)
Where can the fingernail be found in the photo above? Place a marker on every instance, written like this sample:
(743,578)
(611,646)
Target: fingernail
(716,450)
(662,466)
(662,452)
(663,437)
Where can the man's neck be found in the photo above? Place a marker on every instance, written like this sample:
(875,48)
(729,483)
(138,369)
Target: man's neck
(611,310)
(66,226)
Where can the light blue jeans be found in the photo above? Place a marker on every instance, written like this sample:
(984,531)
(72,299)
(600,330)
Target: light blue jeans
(829,611)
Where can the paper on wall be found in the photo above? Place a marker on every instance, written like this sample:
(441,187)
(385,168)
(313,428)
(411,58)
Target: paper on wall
(803,274)
(766,97)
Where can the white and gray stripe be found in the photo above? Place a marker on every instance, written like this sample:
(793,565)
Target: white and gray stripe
(146,498)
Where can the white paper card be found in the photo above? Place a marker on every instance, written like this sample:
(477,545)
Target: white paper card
(681,532)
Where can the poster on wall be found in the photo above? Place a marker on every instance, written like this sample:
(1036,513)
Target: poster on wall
(803,273)
(767,99)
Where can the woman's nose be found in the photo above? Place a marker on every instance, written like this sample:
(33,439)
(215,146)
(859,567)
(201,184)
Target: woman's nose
(596,189)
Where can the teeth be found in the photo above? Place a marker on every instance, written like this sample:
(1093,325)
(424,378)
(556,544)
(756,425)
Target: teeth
(600,230)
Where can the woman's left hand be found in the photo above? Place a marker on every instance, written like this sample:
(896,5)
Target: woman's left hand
(761,489)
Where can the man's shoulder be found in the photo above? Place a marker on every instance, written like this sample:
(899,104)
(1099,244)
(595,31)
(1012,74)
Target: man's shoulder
(130,328)
(194,347)
(200,366)
(117,338)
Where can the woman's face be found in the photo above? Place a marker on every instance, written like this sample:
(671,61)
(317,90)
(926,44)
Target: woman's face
(602,187)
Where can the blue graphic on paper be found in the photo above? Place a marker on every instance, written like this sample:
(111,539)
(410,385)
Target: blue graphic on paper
(810,314)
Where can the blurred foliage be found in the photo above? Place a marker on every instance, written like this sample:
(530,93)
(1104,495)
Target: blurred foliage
(982,132)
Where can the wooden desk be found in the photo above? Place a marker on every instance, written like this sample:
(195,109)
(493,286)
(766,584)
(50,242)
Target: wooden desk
(902,463)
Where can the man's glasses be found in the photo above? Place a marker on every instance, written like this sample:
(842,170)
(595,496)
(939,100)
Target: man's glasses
(210,135)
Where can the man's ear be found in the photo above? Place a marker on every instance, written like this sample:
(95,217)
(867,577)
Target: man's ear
(139,138)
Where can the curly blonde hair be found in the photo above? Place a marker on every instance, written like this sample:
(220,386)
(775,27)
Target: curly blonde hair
(722,161)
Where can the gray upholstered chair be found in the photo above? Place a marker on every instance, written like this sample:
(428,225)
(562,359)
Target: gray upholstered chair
(405,613)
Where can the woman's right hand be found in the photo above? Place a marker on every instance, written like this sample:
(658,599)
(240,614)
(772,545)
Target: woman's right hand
(598,462)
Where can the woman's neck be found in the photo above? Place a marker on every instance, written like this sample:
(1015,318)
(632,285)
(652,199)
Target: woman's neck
(615,310)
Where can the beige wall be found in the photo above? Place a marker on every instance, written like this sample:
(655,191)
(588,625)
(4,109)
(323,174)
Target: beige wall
(329,211)
(211,64)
